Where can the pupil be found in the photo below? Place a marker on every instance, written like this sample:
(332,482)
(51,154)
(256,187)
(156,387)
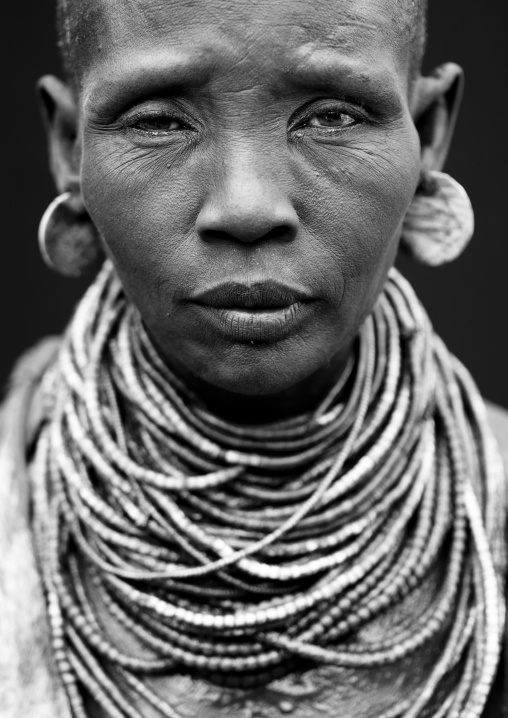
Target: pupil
(332,118)
(158,124)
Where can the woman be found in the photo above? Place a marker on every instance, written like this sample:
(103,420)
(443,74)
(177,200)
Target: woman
(250,480)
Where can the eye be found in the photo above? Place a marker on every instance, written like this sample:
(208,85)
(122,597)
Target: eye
(158,124)
(334,119)
(326,119)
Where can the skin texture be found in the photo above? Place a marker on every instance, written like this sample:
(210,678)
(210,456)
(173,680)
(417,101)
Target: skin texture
(216,140)
(77,21)
(199,140)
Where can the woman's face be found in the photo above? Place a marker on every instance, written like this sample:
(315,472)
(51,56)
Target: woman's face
(248,164)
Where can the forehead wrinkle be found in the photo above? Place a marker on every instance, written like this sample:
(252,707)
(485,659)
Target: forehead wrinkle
(110,26)
(148,14)
(102,26)
(198,11)
(357,24)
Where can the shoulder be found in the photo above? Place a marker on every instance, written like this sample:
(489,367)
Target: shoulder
(27,684)
(24,377)
(498,421)
(19,418)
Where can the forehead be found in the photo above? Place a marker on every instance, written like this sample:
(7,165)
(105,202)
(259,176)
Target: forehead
(253,33)
(313,16)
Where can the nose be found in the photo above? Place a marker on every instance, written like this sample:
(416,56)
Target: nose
(247,202)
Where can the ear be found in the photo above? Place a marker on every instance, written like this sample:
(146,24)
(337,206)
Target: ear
(60,116)
(435,105)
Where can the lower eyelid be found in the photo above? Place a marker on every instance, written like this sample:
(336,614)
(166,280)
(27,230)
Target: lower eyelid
(146,131)
(330,129)
(177,138)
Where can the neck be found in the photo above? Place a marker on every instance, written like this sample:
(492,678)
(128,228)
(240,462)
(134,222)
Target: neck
(259,548)
(249,409)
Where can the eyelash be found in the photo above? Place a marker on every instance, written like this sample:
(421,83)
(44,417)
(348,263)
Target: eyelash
(298,122)
(356,113)
(161,116)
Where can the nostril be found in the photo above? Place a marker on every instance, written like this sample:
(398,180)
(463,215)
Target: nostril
(282,232)
(214,235)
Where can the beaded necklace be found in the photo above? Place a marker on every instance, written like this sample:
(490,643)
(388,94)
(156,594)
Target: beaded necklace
(239,552)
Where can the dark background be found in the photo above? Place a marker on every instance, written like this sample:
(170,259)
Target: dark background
(467,300)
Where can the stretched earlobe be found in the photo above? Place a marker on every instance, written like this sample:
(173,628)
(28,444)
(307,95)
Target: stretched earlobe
(440,221)
(68,240)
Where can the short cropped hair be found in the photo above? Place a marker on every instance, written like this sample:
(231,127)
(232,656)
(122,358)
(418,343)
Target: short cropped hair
(75,21)
(413,14)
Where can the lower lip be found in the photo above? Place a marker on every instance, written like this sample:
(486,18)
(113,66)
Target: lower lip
(257,325)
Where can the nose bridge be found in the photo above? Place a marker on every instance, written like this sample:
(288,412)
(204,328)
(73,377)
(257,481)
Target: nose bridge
(252,173)
(248,197)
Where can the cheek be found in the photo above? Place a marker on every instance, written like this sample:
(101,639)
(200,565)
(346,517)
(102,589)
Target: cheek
(364,190)
(145,211)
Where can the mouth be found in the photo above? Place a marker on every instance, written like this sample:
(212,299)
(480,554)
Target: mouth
(263,311)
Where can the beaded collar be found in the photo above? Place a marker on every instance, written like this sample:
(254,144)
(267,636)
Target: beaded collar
(242,552)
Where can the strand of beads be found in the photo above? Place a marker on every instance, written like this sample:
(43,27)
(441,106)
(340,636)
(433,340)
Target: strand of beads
(236,551)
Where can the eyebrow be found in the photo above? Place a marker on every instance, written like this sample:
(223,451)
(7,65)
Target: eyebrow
(330,68)
(143,75)
(170,71)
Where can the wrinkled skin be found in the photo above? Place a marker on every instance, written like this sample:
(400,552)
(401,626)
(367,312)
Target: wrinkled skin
(252,140)
(248,141)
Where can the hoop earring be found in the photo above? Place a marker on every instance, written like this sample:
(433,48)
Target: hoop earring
(68,241)
(440,222)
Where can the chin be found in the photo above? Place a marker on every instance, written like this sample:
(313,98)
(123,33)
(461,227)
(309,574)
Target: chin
(213,362)
(257,371)
(262,370)
(254,381)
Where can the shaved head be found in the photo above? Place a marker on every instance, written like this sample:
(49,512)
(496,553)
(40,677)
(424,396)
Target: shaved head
(77,21)
(413,27)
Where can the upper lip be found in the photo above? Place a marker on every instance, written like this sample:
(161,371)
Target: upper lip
(258,294)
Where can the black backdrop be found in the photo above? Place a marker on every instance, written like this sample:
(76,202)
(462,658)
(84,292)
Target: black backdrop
(467,300)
